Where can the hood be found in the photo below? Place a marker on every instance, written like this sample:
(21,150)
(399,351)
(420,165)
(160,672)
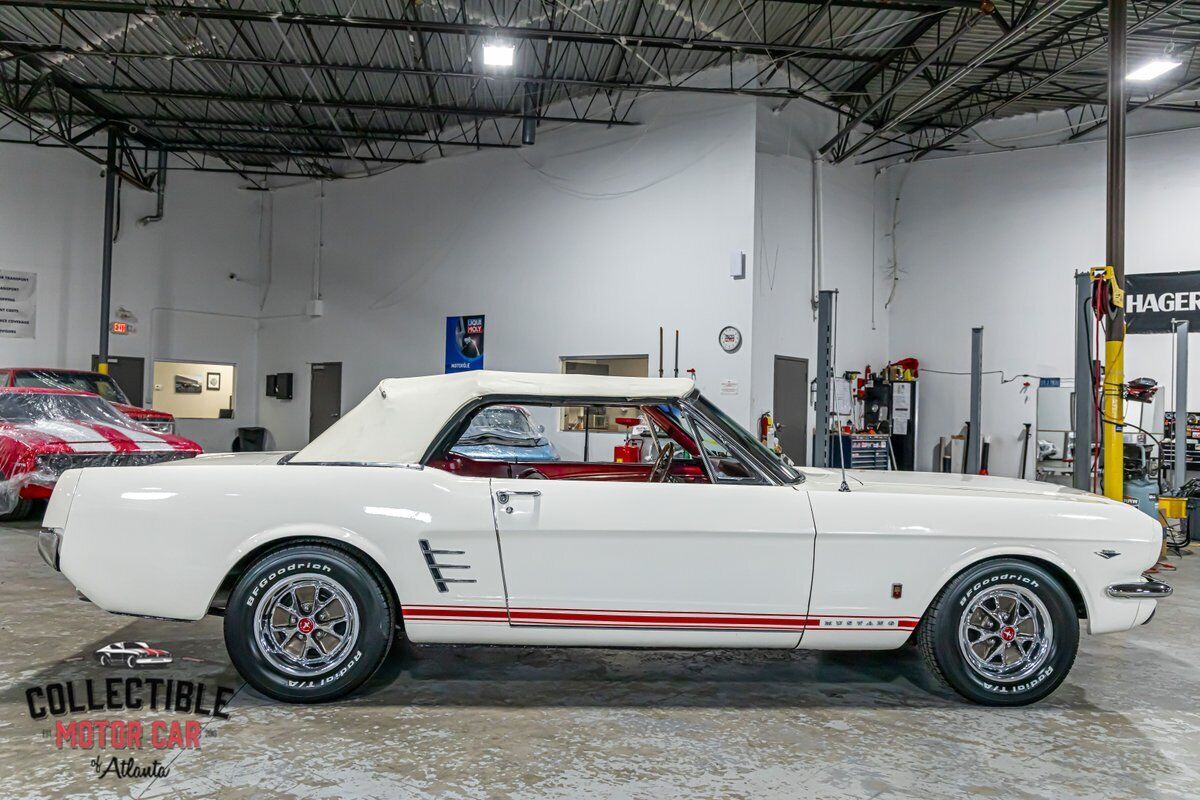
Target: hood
(137,412)
(92,437)
(940,482)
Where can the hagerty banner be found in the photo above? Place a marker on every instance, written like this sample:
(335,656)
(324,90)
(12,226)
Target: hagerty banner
(1153,300)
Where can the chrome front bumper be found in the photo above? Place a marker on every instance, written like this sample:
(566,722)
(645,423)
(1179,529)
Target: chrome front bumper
(1145,590)
(49,543)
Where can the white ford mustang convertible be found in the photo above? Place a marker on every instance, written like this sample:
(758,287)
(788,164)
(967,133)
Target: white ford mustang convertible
(378,528)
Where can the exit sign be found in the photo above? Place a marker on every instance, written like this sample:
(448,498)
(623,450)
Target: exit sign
(121,328)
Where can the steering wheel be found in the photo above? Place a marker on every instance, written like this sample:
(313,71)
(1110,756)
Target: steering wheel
(662,464)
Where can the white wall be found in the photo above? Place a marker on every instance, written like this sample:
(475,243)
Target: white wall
(582,245)
(784,320)
(994,240)
(51,223)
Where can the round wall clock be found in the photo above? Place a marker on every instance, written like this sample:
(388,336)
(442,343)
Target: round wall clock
(730,339)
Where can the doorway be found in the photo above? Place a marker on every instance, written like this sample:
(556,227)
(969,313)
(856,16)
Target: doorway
(790,407)
(130,375)
(325,397)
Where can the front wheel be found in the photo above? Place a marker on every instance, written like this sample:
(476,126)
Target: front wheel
(308,624)
(1003,633)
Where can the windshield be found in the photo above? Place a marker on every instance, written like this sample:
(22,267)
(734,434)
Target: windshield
(749,443)
(90,382)
(34,406)
(508,424)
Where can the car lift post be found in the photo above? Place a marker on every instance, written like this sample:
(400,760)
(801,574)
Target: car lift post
(824,377)
(1085,392)
(1114,347)
(975,429)
(1181,402)
(110,196)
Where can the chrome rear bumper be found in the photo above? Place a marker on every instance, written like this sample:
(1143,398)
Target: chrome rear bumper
(49,542)
(1145,590)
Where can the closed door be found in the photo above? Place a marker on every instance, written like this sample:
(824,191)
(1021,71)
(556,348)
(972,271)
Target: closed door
(130,375)
(790,407)
(681,564)
(325,397)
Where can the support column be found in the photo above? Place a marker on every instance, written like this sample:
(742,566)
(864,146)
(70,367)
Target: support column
(824,376)
(1114,348)
(1085,392)
(1181,402)
(975,432)
(110,205)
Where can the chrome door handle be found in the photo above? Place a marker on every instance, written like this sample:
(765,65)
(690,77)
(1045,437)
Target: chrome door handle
(503,495)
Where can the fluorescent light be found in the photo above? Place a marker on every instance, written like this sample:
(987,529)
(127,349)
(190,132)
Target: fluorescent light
(1153,69)
(498,55)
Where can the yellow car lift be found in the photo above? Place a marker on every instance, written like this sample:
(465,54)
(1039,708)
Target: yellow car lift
(1113,394)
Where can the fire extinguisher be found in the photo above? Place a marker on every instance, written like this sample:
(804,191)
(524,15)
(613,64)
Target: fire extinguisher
(764,428)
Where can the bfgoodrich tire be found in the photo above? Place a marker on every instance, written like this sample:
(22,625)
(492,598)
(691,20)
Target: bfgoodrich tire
(308,624)
(1003,633)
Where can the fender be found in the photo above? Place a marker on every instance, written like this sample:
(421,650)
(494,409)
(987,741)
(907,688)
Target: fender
(309,532)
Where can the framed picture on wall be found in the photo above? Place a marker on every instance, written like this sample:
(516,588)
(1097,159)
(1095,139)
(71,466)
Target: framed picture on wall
(214,381)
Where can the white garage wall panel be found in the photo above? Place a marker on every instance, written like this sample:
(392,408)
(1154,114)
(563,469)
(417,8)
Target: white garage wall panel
(582,245)
(994,240)
(784,321)
(51,223)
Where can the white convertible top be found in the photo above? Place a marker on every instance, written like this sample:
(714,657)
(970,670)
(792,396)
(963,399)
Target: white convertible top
(396,423)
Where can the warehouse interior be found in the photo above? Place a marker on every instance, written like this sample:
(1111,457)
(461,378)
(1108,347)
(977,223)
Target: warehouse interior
(251,213)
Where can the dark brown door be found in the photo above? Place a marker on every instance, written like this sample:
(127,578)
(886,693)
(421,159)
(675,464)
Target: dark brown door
(790,408)
(325,397)
(130,375)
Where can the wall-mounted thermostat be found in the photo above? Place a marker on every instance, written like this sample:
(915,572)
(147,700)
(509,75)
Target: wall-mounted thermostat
(737,265)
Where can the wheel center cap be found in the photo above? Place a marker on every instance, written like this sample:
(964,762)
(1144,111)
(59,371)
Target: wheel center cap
(306,625)
(1007,633)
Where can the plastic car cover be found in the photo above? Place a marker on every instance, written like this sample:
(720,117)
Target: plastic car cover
(45,432)
(71,381)
(510,423)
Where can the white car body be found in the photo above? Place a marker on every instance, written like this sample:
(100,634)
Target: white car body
(586,562)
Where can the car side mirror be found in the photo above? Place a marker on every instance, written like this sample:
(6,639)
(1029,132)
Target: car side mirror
(541,428)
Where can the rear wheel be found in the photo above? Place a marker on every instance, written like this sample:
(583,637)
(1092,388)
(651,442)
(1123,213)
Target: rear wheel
(20,511)
(1003,633)
(14,506)
(307,624)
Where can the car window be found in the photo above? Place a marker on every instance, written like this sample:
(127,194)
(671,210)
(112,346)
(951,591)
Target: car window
(90,382)
(28,407)
(723,461)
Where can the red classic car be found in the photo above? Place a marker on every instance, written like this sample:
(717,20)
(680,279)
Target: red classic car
(79,380)
(44,432)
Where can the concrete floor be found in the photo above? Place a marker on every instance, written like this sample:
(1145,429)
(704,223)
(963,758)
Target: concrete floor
(474,722)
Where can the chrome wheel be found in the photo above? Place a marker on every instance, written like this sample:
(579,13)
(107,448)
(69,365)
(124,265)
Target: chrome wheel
(1005,633)
(306,625)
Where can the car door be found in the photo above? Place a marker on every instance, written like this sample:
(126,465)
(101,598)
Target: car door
(654,564)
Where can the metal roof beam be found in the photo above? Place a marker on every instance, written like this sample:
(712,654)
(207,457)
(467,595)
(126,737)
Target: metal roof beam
(1018,30)
(414,26)
(782,93)
(348,105)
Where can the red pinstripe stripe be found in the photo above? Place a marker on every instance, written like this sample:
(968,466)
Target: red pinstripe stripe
(644,619)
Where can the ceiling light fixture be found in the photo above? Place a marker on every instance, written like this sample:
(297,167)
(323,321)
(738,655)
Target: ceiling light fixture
(498,54)
(1153,69)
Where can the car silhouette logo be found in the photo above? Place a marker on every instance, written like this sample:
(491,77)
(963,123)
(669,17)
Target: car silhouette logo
(132,655)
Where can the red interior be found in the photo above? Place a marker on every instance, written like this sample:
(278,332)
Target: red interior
(686,472)
(633,472)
